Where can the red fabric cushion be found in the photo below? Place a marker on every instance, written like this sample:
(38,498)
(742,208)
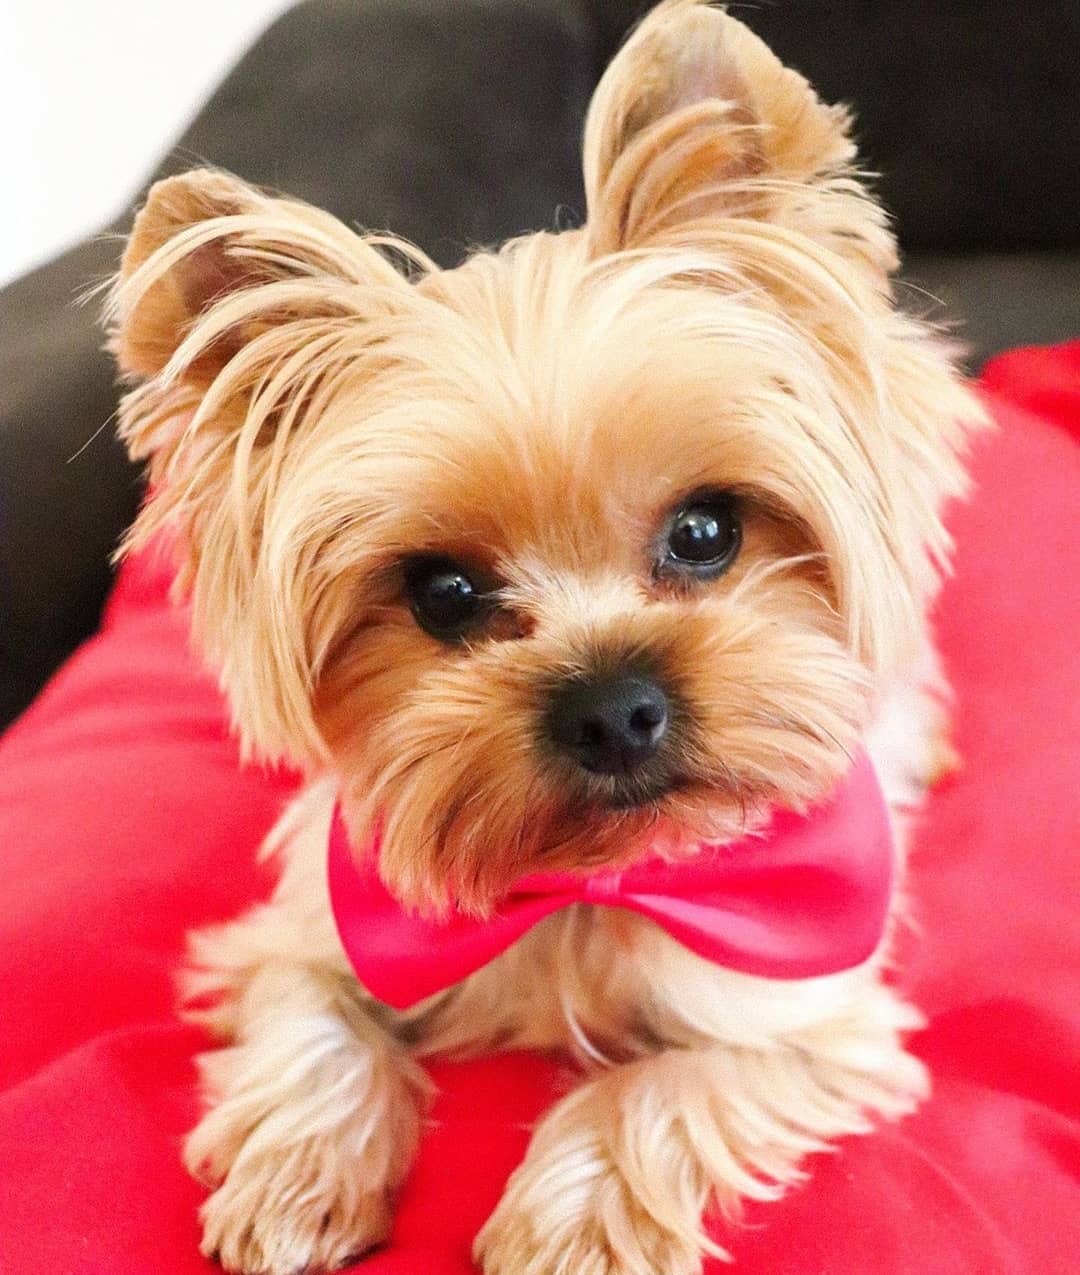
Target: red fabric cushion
(125,820)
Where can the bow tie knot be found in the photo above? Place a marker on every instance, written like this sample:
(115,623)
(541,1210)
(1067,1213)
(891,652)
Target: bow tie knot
(602,887)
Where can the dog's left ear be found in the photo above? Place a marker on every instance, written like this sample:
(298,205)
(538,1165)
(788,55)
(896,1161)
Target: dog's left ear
(697,121)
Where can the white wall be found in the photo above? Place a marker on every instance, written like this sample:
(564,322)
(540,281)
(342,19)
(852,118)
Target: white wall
(92,92)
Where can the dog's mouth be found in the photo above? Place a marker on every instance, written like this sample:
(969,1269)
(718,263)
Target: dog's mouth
(628,816)
(628,793)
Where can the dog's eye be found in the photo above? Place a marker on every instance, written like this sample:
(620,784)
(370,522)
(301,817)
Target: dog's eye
(445,598)
(703,536)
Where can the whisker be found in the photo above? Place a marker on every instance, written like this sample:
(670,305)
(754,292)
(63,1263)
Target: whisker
(402,770)
(105,424)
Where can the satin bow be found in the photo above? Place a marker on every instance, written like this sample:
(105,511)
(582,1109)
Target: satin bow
(807,896)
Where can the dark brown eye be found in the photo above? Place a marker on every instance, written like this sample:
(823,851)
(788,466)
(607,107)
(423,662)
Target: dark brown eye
(703,536)
(445,598)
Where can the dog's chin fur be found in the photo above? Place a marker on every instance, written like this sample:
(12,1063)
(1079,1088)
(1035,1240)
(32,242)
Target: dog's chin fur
(318,406)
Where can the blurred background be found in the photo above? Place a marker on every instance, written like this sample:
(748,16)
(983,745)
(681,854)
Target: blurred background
(453,122)
(91,95)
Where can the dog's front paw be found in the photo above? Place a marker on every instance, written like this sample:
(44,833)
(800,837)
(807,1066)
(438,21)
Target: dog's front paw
(532,1234)
(305,1161)
(568,1210)
(313,1121)
(286,1213)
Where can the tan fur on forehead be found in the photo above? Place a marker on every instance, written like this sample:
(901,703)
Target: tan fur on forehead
(619,395)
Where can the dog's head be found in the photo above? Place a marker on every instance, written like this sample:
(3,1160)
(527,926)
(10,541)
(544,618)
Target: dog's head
(600,541)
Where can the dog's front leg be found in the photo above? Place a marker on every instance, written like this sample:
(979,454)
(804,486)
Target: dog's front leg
(315,1119)
(619,1173)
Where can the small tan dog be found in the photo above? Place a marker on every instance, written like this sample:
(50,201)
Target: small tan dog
(693,437)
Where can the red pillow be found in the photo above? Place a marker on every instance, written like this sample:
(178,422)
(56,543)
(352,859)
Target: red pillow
(125,820)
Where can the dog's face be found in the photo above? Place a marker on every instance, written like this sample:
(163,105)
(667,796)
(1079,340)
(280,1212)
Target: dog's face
(601,542)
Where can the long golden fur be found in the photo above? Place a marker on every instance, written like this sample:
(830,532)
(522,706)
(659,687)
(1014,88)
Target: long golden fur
(316,406)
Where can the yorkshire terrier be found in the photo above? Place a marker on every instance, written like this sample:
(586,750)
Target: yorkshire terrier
(608,548)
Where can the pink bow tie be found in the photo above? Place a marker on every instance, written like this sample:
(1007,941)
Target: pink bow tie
(807,896)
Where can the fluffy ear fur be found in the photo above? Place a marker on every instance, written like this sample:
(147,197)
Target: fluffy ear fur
(697,120)
(206,235)
(234,314)
(212,264)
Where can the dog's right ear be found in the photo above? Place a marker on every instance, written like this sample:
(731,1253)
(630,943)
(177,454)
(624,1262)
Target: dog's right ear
(223,291)
(237,317)
(204,236)
(171,269)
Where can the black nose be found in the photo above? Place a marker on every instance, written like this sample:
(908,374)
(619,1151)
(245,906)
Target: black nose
(611,726)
